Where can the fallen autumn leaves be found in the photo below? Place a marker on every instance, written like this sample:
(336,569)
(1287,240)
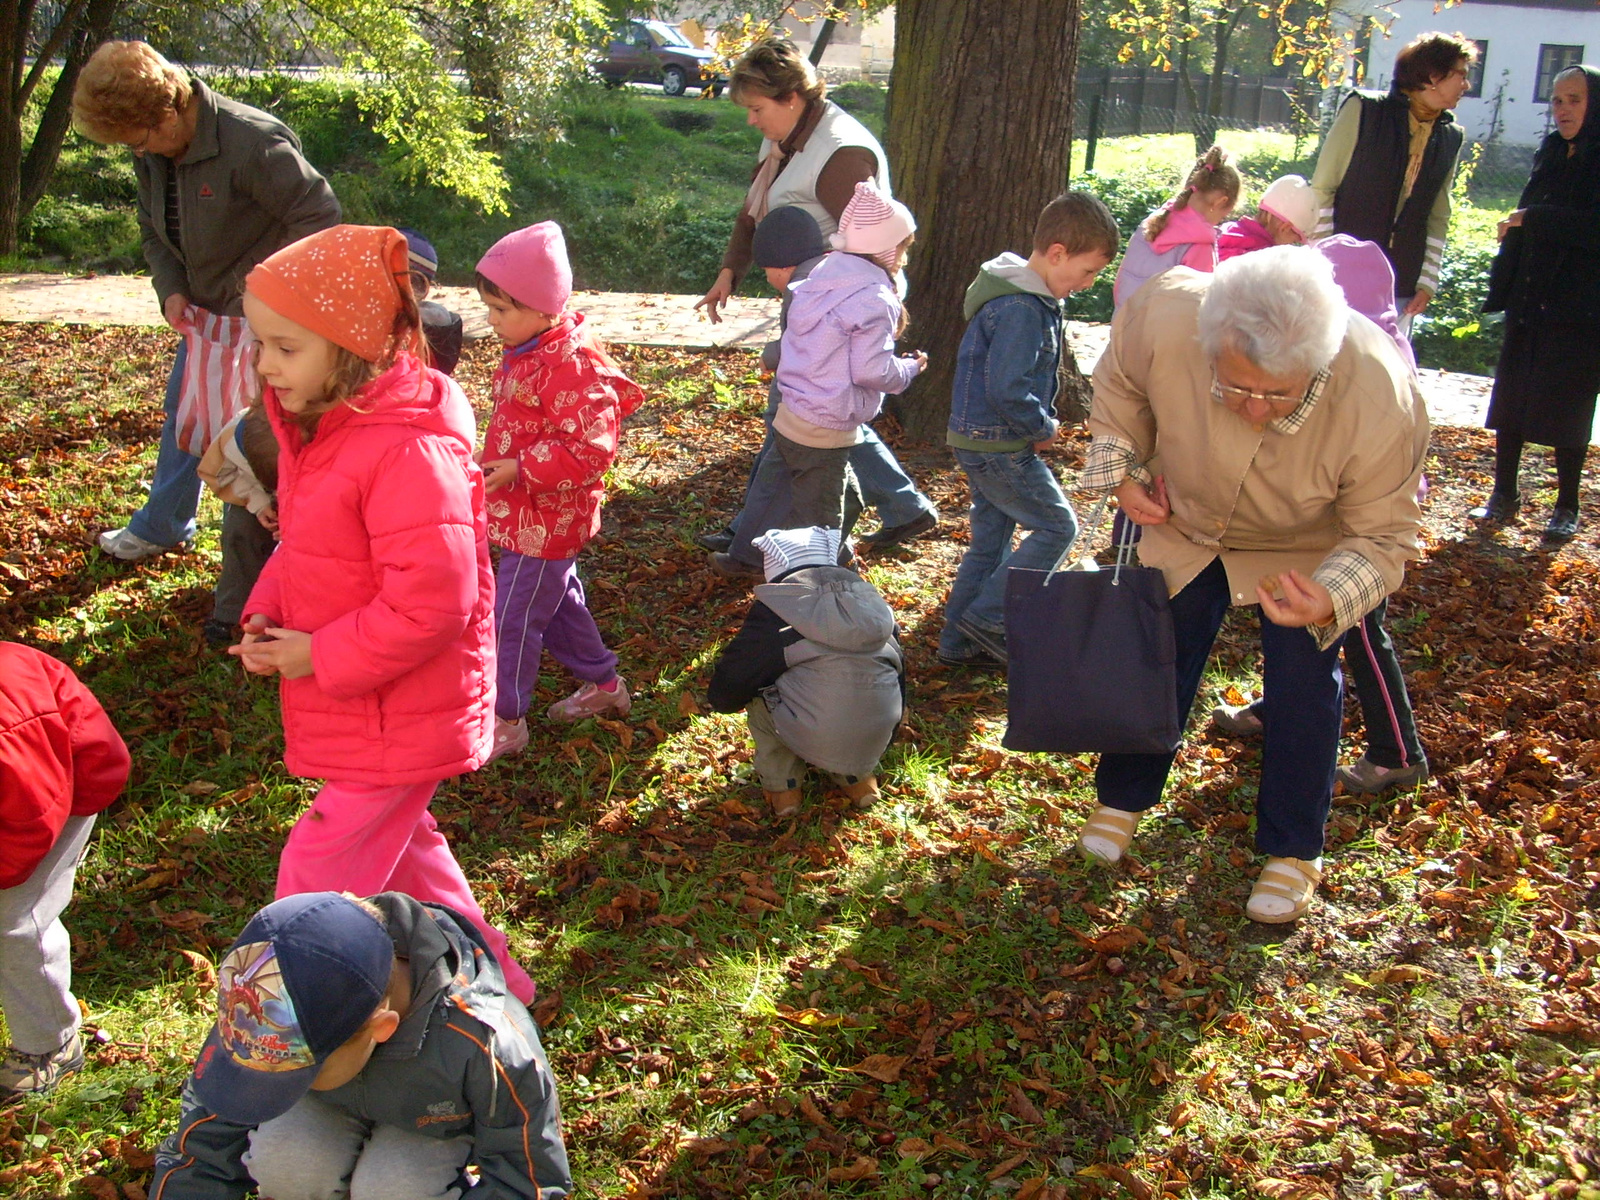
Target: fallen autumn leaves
(938,998)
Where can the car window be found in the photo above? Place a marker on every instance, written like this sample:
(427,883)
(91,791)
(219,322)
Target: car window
(666,35)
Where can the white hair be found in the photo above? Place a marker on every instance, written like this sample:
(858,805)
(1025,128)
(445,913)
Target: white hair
(1279,307)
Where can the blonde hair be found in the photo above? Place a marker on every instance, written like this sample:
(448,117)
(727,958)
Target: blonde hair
(775,68)
(1212,172)
(125,88)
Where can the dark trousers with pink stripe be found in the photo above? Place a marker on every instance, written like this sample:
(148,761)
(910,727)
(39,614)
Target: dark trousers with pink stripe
(1369,656)
(538,606)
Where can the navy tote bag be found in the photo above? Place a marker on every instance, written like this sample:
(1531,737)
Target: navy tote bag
(1093,660)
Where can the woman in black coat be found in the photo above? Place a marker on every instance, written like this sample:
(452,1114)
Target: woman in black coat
(1546,279)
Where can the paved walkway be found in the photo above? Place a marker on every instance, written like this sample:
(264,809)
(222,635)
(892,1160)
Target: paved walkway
(626,318)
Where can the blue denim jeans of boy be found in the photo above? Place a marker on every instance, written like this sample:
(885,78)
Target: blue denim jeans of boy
(1302,715)
(1008,490)
(167,517)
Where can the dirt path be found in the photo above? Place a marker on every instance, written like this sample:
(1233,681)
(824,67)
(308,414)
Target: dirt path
(626,318)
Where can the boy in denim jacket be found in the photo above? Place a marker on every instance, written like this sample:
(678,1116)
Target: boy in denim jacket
(1000,417)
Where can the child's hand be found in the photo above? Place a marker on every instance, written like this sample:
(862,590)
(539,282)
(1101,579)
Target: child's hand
(921,357)
(499,473)
(1049,441)
(272,651)
(268,517)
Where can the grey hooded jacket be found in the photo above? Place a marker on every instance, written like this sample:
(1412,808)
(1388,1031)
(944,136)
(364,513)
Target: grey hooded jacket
(819,647)
(466,1059)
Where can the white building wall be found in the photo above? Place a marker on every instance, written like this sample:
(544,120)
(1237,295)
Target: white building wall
(1514,33)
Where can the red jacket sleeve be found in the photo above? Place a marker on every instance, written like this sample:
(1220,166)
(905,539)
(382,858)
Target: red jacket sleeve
(420,513)
(582,429)
(60,756)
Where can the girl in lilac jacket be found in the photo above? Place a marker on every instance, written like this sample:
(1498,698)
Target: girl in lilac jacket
(377,610)
(837,355)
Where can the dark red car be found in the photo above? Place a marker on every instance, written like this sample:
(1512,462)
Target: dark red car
(655,52)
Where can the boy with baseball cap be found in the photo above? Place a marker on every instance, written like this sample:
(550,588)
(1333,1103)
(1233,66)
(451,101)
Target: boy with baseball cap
(365,1049)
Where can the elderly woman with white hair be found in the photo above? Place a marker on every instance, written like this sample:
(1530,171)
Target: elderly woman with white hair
(1269,441)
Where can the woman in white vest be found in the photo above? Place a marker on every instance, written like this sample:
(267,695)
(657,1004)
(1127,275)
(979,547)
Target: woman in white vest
(813,154)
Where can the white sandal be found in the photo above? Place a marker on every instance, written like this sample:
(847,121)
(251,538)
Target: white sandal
(1284,890)
(1105,836)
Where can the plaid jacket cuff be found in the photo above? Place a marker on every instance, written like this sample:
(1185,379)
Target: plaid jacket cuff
(1356,586)
(1110,461)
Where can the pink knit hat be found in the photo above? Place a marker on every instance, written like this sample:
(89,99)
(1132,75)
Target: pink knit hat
(531,267)
(873,224)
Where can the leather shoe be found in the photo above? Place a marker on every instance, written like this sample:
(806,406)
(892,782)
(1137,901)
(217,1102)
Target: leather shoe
(893,535)
(717,542)
(1563,526)
(730,567)
(1499,507)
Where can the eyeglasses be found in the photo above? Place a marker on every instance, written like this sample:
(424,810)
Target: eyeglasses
(1224,393)
(143,143)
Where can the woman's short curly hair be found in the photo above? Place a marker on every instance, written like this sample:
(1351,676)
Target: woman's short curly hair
(775,68)
(1430,57)
(125,88)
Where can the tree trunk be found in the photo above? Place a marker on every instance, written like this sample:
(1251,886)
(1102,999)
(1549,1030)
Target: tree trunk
(819,47)
(45,149)
(1207,124)
(980,139)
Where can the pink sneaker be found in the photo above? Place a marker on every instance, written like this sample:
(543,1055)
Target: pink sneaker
(590,701)
(509,738)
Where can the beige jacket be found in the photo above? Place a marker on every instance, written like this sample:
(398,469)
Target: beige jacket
(1330,491)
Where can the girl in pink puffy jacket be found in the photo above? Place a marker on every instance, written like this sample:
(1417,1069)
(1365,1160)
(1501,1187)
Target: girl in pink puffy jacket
(1182,232)
(377,610)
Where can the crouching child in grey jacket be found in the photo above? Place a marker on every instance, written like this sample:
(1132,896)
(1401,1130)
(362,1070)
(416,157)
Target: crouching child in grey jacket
(817,668)
(365,1049)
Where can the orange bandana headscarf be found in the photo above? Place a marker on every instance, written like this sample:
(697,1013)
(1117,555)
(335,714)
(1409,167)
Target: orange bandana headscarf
(344,284)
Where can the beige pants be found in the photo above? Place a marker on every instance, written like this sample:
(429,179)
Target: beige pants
(780,768)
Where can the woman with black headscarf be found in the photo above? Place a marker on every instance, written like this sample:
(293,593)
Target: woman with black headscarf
(1546,279)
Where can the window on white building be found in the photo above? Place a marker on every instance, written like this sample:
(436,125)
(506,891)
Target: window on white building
(1552,61)
(1475,71)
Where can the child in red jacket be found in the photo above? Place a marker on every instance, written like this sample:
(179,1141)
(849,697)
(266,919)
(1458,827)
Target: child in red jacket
(559,401)
(61,762)
(377,608)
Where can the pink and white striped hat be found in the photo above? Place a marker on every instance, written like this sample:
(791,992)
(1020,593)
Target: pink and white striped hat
(873,224)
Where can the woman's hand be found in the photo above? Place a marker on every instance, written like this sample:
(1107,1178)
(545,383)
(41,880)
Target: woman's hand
(266,650)
(268,517)
(714,300)
(1143,505)
(172,311)
(1418,302)
(1512,222)
(1304,601)
(499,473)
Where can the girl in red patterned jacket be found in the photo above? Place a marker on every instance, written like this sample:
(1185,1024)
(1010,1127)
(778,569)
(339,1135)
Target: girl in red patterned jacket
(559,401)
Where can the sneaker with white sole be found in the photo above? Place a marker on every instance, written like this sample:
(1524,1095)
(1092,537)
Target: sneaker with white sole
(510,737)
(31,1074)
(1239,720)
(126,545)
(590,701)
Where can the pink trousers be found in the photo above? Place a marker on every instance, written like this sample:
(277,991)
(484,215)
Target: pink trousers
(366,838)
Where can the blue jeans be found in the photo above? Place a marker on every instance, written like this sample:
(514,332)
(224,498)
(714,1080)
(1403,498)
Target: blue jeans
(1302,714)
(167,517)
(1008,490)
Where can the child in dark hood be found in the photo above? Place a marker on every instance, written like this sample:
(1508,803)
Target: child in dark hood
(817,668)
(440,326)
(365,1049)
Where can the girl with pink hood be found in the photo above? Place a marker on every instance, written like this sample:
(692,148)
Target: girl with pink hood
(1183,232)
(377,610)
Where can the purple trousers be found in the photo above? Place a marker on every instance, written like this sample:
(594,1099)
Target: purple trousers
(538,606)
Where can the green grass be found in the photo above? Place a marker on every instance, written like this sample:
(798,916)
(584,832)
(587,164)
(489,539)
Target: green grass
(717,984)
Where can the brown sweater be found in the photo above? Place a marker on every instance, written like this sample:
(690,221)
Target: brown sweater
(835,185)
